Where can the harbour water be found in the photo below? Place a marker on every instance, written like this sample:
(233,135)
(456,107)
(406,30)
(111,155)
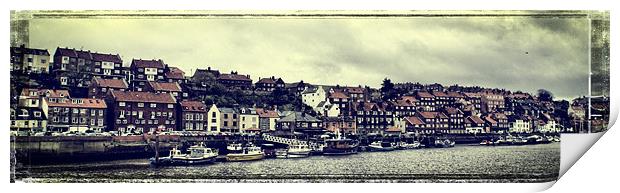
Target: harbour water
(463,163)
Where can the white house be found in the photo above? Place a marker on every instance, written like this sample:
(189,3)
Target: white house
(520,125)
(213,119)
(313,96)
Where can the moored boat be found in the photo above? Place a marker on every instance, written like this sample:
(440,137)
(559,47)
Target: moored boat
(234,147)
(250,153)
(298,150)
(380,146)
(197,155)
(281,153)
(486,142)
(339,147)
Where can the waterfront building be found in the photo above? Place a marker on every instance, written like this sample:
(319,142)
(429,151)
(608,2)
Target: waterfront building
(520,124)
(438,121)
(474,124)
(456,120)
(193,116)
(28,119)
(229,120)
(141,112)
(342,125)
(75,114)
(312,96)
(405,106)
(269,84)
(299,122)
(100,87)
(547,124)
(213,119)
(29,60)
(145,71)
(372,117)
(267,119)
(426,101)
(32,97)
(416,125)
(248,118)
(492,102)
(235,81)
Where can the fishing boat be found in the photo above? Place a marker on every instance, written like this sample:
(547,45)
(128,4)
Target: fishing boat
(281,153)
(414,145)
(234,147)
(249,153)
(380,146)
(298,150)
(198,154)
(339,147)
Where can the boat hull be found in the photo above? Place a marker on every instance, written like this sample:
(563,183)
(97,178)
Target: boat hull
(181,162)
(374,148)
(334,151)
(244,157)
(298,154)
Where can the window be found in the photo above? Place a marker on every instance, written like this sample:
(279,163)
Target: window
(75,111)
(170,106)
(121,104)
(63,80)
(100,112)
(92,122)
(153,105)
(139,114)
(37,114)
(140,104)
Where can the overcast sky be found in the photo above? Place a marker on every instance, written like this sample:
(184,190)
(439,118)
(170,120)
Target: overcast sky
(516,53)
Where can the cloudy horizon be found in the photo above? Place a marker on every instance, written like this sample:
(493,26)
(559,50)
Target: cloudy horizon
(516,53)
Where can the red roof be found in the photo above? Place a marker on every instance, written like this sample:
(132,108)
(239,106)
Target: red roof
(452,111)
(46,93)
(111,83)
(175,73)
(66,52)
(414,120)
(107,58)
(233,77)
(264,113)
(440,94)
(266,81)
(355,90)
(455,95)
(79,103)
(165,86)
(130,96)
(472,95)
(84,54)
(500,116)
(425,95)
(475,119)
(338,95)
(405,102)
(195,106)
(138,63)
(431,115)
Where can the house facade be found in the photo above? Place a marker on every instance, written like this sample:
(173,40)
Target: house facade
(76,114)
(213,119)
(372,117)
(30,119)
(30,60)
(267,119)
(248,119)
(193,116)
(99,87)
(234,80)
(145,71)
(141,112)
(229,120)
(312,96)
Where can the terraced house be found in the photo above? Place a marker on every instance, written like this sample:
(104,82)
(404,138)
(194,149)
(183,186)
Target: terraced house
(193,116)
(144,71)
(99,87)
(235,80)
(29,60)
(28,119)
(141,112)
(372,117)
(75,114)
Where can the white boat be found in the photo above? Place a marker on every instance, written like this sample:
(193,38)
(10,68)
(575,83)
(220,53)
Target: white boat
(298,150)
(414,145)
(281,153)
(197,155)
(380,146)
(234,147)
(247,154)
